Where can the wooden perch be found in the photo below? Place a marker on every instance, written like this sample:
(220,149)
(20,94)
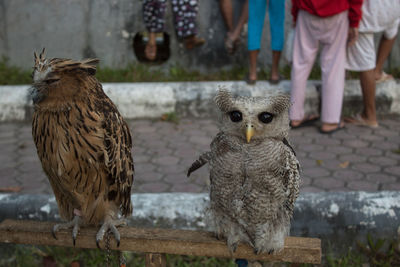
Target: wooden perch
(158,241)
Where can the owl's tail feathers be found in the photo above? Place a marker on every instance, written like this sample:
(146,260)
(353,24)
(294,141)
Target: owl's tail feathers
(203,159)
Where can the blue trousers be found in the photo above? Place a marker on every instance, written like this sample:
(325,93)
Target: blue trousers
(276,12)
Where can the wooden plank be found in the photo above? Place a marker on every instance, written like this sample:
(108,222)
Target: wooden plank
(168,241)
(155,260)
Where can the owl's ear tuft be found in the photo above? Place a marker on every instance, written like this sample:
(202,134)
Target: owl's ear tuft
(223,99)
(281,102)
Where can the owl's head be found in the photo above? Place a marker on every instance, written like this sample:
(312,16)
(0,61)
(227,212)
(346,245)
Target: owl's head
(254,118)
(58,77)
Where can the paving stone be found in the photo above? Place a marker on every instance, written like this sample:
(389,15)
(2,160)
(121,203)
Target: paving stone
(312,148)
(352,158)
(154,187)
(315,172)
(383,161)
(334,164)
(30,166)
(391,187)
(200,140)
(322,155)
(176,178)
(191,188)
(366,167)
(393,170)
(373,138)
(382,145)
(150,176)
(173,169)
(348,175)
(327,141)
(380,178)
(165,160)
(369,151)
(356,143)
(339,149)
(305,181)
(311,189)
(329,183)
(363,186)
(307,163)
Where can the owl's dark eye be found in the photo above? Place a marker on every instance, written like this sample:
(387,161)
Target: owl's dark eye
(265,117)
(235,115)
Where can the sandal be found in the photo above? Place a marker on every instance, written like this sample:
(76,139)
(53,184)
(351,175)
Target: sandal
(384,77)
(307,121)
(193,41)
(275,81)
(360,121)
(340,126)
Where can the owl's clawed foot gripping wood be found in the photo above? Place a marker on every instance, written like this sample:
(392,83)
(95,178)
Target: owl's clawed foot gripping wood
(110,224)
(74,224)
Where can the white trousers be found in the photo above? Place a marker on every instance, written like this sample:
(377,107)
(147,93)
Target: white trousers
(311,32)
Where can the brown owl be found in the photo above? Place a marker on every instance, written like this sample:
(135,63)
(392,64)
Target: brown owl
(254,172)
(83,143)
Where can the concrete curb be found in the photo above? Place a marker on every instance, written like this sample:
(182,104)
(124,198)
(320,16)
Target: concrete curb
(151,100)
(338,218)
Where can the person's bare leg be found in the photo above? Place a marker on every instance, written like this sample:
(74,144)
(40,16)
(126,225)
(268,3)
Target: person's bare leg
(368,87)
(253,64)
(244,15)
(227,13)
(276,55)
(385,46)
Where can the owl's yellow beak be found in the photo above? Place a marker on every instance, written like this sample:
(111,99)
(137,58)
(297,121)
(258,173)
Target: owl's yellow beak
(249,132)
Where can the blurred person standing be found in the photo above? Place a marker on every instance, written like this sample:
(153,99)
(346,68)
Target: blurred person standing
(332,24)
(276,12)
(378,16)
(185,14)
(232,39)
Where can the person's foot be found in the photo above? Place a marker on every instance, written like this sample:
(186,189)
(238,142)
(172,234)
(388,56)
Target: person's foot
(229,44)
(306,121)
(193,41)
(360,120)
(327,128)
(383,76)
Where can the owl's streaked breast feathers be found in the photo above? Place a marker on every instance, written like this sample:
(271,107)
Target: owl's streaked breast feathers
(82,140)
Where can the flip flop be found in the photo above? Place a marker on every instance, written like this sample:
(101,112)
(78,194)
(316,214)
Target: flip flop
(249,81)
(340,126)
(275,81)
(384,77)
(307,121)
(360,121)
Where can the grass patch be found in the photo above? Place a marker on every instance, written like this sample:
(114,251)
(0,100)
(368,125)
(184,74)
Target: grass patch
(13,75)
(10,75)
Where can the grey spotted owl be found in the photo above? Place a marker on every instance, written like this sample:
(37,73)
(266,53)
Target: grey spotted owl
(254,172)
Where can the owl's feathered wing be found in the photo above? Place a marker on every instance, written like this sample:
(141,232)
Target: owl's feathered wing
(83,143)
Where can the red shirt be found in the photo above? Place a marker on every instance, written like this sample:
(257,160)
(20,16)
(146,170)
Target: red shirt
(326,8)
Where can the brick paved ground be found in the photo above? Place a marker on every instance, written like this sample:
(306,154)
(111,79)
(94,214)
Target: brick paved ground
(356,158)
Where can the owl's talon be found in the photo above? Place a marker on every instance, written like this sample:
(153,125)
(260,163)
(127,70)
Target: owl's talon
(112,226)
(53,233)
(74,224)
